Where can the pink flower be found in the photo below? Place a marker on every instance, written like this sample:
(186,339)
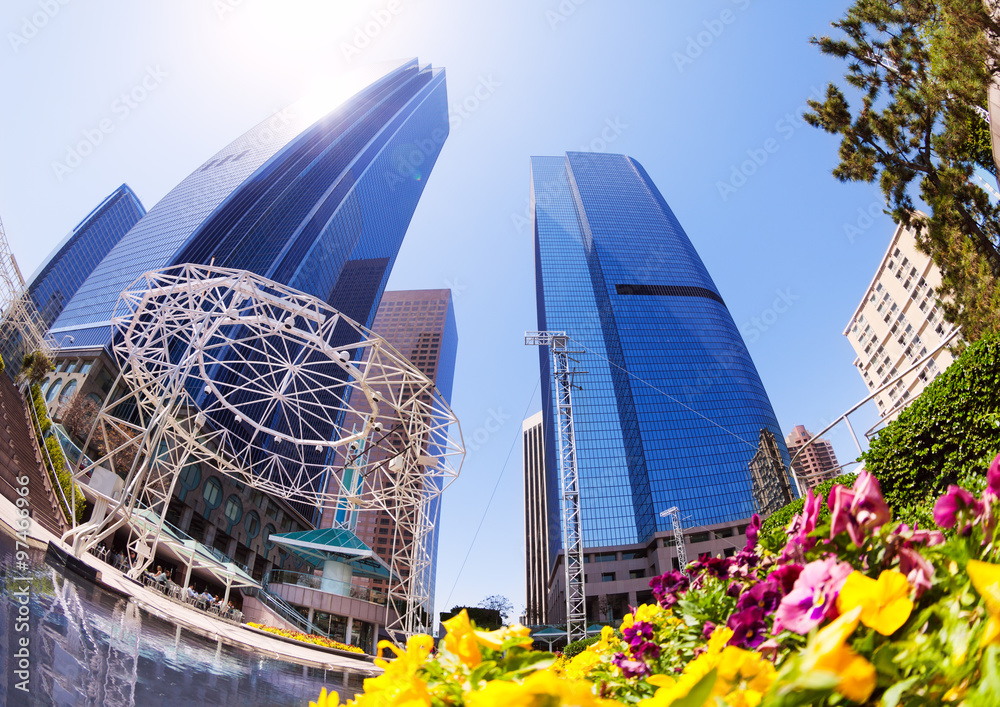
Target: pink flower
(813,598)
(800,527)
(857,509)
(993,479)
(919,572)
(954,502)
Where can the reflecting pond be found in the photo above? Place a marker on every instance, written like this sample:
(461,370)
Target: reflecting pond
(90,647)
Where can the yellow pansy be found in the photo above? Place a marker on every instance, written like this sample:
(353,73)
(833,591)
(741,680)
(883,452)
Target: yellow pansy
(461,639)
(986,579)
(885,603)
(718,640)
(582,663)
(744,671)
(827,652)
(542,687)
(326,699)
(494,640)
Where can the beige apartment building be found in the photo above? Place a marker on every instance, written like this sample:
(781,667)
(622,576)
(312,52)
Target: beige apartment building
(817,464)
(898,323)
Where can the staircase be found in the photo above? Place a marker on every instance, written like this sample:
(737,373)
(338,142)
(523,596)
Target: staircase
(19,456)
(283,609)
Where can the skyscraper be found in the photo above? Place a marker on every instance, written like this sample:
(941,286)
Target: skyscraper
(670,409)
(536,507)
(818,462)
(75,258)
(421,325)
(317,197)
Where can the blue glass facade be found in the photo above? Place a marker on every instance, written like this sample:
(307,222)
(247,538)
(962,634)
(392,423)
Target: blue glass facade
(318,197)
(670,409)
(75,258)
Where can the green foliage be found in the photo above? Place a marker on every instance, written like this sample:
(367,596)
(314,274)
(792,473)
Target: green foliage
(979,148)
(917,70)
(577,647)
(1,364)
(948,435)
(41,412)
(34,367)
(61,477)
(772,530)
(488,619)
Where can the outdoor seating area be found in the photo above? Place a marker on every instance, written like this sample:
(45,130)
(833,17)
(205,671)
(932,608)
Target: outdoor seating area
(203,601)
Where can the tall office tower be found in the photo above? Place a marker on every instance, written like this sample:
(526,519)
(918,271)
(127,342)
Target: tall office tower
(899,322)
(818,462)
(670,408)
(317,197)
(536,541)
(420,324)
(77,256)
(58,278)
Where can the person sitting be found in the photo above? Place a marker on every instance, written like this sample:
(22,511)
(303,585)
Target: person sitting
(160,577)
(192,594)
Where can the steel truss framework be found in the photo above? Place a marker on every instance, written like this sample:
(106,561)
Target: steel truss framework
(22,329)
(256,379)
(569,480)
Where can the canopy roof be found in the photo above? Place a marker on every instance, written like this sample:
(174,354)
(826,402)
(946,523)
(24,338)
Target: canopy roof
(340,544)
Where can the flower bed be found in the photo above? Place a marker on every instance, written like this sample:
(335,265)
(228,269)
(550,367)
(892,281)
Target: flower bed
(307,638)
(854,609)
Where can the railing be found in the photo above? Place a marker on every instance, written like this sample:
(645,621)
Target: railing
(285,610)
(330,586)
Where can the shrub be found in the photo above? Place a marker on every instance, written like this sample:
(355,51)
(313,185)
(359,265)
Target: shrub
(61,478)
(946,436)
(577,647)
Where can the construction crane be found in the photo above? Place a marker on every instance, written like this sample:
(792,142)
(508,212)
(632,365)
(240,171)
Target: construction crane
(674,514)
(569,479)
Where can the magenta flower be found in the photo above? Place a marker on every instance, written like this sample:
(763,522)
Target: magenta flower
(857,509)
(813,598)
(785,576)
(667,587)
(993,479)
(919,572)
(801,526)
(764,595)
(749,629)
(753,530)
(954,502)
(717,567)
(630,668)
(639,637)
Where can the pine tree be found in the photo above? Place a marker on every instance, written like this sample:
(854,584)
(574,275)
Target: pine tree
(921,70)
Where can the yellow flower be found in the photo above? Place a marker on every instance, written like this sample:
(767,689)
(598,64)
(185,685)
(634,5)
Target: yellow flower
(986,579)
(718,640)
(540,688)
(331,699)
(885,603)
(461,639)
(582,663)
(744,671)
(494,640)
(827,652)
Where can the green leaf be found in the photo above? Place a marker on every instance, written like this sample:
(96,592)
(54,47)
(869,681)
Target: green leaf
(892,696)
(698,694)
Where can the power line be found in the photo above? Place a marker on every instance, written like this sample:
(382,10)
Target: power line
(495,487)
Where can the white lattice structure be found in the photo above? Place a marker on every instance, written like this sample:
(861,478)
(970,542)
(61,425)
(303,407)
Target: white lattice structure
(255,378)
(21,326)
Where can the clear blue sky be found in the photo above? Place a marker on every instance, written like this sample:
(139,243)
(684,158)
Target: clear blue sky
(691,90)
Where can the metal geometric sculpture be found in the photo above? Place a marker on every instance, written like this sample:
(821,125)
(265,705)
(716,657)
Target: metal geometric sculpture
(21,328)
(257,379)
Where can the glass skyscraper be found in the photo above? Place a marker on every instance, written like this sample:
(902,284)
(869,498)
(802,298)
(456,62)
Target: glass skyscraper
(669,407)
(76,257)
(317,197)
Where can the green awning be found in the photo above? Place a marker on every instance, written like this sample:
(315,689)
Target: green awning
(318,546)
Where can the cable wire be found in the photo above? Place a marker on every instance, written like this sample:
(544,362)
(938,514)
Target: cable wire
(510,451)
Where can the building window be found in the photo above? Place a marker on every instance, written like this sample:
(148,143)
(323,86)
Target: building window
(607,576)
(266,538)
(605,557)
(636,574)
(234,509)
(252,524)
(633,555)
(69,390)
(699,537)
(53,391)
(212,492)
(190,476)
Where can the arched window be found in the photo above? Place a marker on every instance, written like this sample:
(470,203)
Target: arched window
(252,524)
(190,476)
(53,391)
(266,539)
(212,492)
(69,390)
(234,509)
(95,399)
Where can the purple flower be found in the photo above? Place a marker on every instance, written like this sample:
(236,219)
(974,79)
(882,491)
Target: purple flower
(717,567)
(639,637)
(764,595)
(707,630)
(813,598)
(993,478)
(857,509)
(749,629)
(955,501)
(753,530)
(667,587)
(800,527)
(785,576)
(630,668)
(919,572)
